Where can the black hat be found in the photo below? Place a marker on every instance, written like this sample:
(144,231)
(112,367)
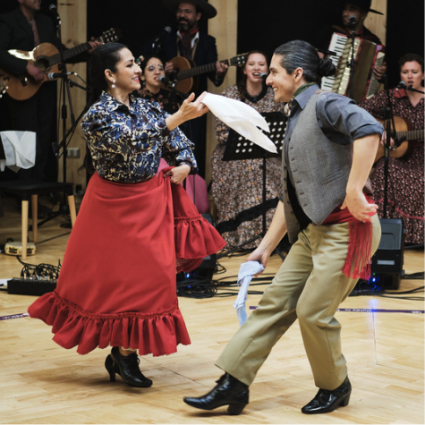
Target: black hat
(363,4)
(207,9)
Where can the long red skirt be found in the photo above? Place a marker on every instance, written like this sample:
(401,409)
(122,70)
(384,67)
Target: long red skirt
(117,285)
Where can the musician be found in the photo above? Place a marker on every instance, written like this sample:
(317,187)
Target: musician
(359,10)
(329,219)
(153,89)
(188,41)
(23,29)
(405,174)
(237,186)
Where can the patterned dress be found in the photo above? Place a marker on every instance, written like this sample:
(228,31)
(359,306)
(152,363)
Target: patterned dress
(237,186)
(405,175)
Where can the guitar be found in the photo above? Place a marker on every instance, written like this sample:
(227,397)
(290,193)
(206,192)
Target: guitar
(46,57)
(404,133)
(187,71)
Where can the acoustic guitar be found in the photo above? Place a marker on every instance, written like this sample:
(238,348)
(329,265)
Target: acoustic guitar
(46,57)
(403,132)
(186,72)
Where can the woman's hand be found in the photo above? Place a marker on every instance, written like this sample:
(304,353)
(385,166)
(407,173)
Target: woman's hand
(384,140)
(188,110)
(359,207)
(178,174)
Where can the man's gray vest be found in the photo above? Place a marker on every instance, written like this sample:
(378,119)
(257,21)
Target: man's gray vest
(320,170)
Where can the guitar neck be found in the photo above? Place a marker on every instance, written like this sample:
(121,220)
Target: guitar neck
(198,70)
(75,51)
(410,135)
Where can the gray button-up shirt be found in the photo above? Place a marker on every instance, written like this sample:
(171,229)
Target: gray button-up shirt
(341,120)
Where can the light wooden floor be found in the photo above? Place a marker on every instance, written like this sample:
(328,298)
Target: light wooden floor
(42,383)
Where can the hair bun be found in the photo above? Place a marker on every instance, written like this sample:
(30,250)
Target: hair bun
(326,67)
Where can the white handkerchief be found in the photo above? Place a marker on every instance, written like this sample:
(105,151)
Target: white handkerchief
(242,118)
(19,149)
(246,271)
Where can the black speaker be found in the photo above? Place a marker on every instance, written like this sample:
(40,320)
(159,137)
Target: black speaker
(387,263)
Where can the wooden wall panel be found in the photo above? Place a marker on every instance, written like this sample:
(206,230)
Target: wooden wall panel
(378,23)
(224,28)
(73,14)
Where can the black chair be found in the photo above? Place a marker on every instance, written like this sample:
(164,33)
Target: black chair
(27,189)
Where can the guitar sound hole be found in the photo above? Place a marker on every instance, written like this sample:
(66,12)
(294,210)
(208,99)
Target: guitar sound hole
(42,63)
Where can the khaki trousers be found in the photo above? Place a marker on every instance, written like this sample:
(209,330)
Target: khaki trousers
(310,285)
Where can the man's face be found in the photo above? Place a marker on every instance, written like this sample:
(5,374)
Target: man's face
(352,10)
(187,18)
(34,5)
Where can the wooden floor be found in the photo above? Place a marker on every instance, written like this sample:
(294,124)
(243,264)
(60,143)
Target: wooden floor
(41,382)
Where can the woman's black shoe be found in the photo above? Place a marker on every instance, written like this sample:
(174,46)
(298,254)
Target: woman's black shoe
(327,401)
(127,367)
(228,391)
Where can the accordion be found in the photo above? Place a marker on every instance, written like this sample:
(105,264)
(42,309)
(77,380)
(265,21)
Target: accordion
(366,56)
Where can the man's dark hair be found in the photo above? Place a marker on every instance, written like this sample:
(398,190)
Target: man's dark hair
(300,54)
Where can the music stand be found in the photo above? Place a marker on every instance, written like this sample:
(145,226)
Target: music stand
(239,148)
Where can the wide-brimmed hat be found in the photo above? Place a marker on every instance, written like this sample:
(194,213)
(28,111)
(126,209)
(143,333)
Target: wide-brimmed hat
(363,4)
(207,9)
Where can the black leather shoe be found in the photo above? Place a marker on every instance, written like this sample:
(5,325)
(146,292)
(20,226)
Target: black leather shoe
(327,401)
(127,367)
(228,391)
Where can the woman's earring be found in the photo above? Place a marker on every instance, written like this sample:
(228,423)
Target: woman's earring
(113,84)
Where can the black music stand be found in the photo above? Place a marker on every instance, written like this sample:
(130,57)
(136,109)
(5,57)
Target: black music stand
(240,148)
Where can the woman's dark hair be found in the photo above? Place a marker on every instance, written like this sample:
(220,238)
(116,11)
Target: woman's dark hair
(104,57)
(300,54)
(242,81)
(410,57)
(144,63)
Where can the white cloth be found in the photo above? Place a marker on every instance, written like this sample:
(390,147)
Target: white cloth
(242,118)
(246,271)
(19,149)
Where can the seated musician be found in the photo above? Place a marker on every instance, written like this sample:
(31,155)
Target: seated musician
(357,9)
(191,43)
(23,29)
(406,173)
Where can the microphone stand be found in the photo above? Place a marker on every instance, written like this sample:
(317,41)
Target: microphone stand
(389,120)
(66,83)
(353,35)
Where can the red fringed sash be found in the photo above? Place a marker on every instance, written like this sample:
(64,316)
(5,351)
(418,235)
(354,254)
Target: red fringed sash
(357,262)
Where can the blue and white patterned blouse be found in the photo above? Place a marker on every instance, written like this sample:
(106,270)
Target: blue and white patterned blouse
(126,144)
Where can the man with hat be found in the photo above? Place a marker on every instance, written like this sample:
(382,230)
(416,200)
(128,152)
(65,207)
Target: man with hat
(188,41)
(353,16)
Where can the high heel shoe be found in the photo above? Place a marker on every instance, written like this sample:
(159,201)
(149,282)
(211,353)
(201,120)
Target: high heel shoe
(228,391)
(326,401)
(127,367)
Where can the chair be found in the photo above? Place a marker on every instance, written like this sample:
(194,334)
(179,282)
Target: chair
(32,188)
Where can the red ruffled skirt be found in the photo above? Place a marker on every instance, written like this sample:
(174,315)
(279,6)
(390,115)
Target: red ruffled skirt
(117,285)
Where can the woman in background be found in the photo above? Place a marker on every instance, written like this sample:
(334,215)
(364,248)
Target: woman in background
(153,89)
(405,196)
(237,185)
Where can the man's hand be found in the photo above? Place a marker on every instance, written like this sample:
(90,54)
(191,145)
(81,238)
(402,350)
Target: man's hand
(169,67)
(260,255)
(34,72)
(379,71)
(94,44)
(221,69)
(358,206)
